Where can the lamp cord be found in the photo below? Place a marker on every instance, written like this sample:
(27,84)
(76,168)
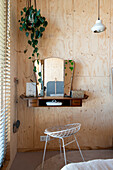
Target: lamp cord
(98,9)
(28,3)
(35,3)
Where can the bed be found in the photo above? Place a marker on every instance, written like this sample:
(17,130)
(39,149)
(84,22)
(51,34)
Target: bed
(99,164)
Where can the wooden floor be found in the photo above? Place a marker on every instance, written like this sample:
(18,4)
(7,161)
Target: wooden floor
(32,160)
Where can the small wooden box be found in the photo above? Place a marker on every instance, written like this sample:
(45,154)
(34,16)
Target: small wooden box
(33,103)
(75,102)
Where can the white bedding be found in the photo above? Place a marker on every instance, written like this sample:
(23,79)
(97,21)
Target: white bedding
(99,164)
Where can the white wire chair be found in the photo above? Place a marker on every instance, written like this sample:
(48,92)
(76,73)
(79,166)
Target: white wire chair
(61,132)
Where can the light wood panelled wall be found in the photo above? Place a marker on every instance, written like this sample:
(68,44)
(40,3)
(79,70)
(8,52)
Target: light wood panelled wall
(13,67)
(69,36)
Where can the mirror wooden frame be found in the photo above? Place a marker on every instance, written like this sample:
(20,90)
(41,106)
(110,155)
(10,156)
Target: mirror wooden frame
(69,66)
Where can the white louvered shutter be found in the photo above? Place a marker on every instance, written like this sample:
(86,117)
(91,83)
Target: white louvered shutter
(4,77)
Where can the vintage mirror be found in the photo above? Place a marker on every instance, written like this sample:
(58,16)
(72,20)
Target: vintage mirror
(68,69)
(54,77)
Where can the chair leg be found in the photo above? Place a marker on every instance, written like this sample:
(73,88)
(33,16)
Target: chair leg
(44,152)
(79,148)
(64,151)
(60,146)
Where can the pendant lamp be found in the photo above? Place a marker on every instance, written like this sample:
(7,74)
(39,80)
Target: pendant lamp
(98,27)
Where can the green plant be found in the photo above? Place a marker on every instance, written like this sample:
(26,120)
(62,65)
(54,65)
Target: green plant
(34,25)
(70,67)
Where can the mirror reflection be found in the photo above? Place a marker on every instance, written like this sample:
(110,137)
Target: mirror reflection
(54,77)
(69,68)
(39,77)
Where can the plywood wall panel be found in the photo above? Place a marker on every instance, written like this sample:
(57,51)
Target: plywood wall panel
(25,73)
(111,34)
(92,65)
(44,7)
(69,36)
(13,73)
(26,117)
(93,49)
(58,48)
(90,128)
(47,115)
(56,8)
(58,25)
(25,135)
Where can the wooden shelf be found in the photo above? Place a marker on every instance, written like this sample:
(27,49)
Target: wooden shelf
(41,101)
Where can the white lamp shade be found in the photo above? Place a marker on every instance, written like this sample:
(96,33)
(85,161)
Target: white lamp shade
(98,27)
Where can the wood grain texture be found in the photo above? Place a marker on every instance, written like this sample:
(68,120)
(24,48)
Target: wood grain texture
(12,149)
(69,36)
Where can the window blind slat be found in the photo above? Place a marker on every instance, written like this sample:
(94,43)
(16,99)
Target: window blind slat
(1,120)
(4,77)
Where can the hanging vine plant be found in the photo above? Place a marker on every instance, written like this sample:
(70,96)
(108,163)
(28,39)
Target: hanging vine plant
(34,25)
